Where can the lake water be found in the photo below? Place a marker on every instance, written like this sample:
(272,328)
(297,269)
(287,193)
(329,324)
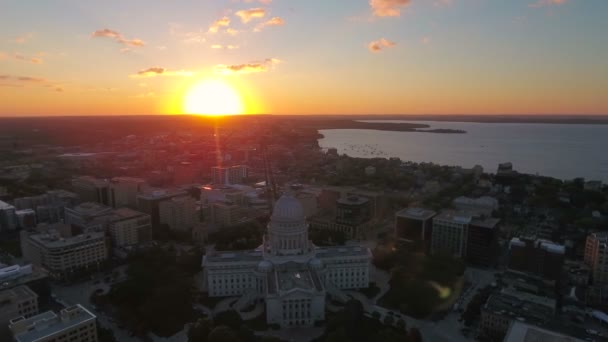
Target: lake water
(556,150)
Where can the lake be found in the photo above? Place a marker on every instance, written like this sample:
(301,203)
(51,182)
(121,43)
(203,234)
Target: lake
(557,150)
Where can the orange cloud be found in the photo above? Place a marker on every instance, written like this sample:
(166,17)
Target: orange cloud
(20,57)
(248,68)
(276,21)
(223,22)
(158,71)
(249,14)
(380,44)
(107,33)
(388,8)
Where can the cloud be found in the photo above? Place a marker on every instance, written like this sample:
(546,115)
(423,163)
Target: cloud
(223,22)
(543,3)
(232,31)
(426,40)
(249,14)
(229,47)
(248,68)
(23,38)
(380,44)
(276,21)
(158,71)
(265,2)
(107,33)
(388,8)
(30,79)
(20,57)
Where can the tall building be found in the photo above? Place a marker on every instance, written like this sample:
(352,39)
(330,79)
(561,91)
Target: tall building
(450,233)
(352,210)
(414,224)
(522,332)
(596,257)
(63,256)
(290,274)
(539,257)
(16,302)
(128,227)
(73,324)
(229,174)
(482,241)
(49,207)
(149,203)
(86,214)
(124,191)
(484,205)
(91,189)
(225,214)
(26,218)
(179,213)
(8,218)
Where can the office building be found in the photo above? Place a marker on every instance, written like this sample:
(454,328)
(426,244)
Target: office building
(414,224)
(523,332)
(179,213)
(149,202)
(482,241)
(87,215)
(63,255)
(128,227)
(450,233)
(73,324)
(124,191)
(26,218)
(229,174)
(536,256)
(16,302)
(91,189)
(290,274)
(596,257)
(484,205)
(8,218)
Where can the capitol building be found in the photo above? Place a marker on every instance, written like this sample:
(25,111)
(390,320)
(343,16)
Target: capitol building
(288,272)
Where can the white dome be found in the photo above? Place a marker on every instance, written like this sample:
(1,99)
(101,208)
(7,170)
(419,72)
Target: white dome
(265,266)
(288,209)
(315,263)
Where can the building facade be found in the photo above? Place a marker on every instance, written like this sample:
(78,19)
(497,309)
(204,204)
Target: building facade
(129,227)
(73,324)
(63,256)
(179,213)
(596,257)
(536,256)
(124,191)
(287,272)
(229,174)
(17,302)
(449,235)
(8,218)
(91,189)
(414,224)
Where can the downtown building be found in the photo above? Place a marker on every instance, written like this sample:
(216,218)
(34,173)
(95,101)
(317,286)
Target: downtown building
(229,174)
(179,213)
(415,225)
(352,217)
(287,272)
(63,255)
(72,324)
(596,257)
(124,191)
(17,302)
(537,256)
(91,189)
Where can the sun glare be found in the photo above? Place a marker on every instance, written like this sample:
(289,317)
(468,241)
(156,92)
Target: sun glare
(213,97)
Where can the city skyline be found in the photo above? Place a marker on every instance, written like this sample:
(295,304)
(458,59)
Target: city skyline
(313,57)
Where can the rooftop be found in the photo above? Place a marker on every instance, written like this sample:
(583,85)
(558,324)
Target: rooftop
(232,256)
(341,251)
(91,209)
(486,222)
(416,213)
(52,239)
(157,194)
(522,332)
(352,200)
(48,323)
(521,306)
(4,206)
(454,216)
(16,294)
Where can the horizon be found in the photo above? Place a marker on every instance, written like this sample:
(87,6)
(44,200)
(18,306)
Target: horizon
(419,57)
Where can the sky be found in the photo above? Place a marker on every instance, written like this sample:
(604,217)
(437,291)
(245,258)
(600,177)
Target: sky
(74,57)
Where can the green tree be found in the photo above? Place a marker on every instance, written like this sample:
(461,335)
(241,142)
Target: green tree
(388,320)
(401,324)
(199,331)
(223,334)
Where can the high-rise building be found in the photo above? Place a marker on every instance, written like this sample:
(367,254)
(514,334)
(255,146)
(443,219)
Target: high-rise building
(128,227)
(225,214)
(352,210)
(179,213)
(415,224)
(449,236)
(63,255)
(8,218)
(16,302)
(229,174)
(26,218)
(86,215)
(149,203)
(91,189)
(73,324)
(124,191)
(536,256)
(596,257)
(482,241)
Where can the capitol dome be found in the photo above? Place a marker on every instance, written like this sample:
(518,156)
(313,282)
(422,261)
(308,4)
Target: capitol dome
(288,209)
(265,266)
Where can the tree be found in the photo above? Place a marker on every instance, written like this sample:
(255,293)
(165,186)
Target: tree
(376,315)
(223,334)
(200,330)
(388,320)
(414,335)
(401,324)
(228,318)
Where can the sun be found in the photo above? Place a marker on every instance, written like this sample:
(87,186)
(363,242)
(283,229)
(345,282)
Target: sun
(213,97)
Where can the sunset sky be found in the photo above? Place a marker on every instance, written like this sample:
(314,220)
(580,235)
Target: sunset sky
(72,57)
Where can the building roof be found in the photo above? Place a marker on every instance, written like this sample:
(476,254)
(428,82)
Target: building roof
(522,332)
(521,306)
(5,206)
(90,209)
(486,222)
(288,209)
(16,294)
(233,256)
(48,323)
(352,200)
(416,213)
(341,251)
(454,216)
(158,194)
(54,240)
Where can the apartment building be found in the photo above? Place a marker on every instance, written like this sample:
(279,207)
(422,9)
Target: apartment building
(72,324)
(17,302)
